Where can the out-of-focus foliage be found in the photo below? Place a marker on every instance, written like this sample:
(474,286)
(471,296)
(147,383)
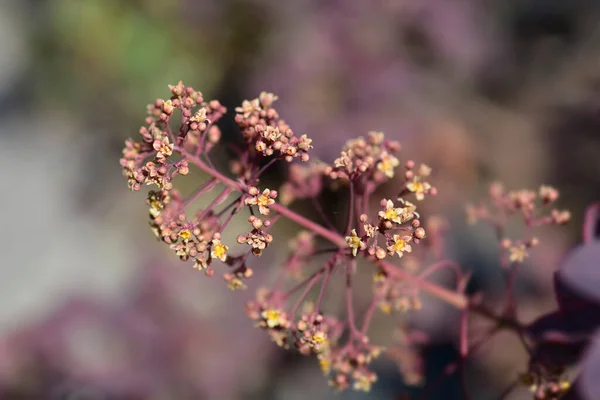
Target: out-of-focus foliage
(121,52)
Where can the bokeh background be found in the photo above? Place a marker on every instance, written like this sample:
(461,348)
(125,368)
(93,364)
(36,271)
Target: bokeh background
(92,308)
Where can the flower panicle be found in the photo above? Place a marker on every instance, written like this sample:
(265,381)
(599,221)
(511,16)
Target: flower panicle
(180,133)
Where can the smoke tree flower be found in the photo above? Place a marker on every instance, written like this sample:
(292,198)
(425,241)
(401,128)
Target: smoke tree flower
(354,242)
(180,131)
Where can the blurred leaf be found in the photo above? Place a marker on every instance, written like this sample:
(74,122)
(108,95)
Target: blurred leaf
(581,273)
(111,45)
(589,385)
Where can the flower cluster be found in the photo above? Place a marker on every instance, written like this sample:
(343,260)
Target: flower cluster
(267,311)
(315,333)
(267,133)
(373,158)
(262,200)
(416,182)
(533,208)
(405,353)
(348,366)
(397,226)
(546,383)
(180,132)
(395,294)
(257,238)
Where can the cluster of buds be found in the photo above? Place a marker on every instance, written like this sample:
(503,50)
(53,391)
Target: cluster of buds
(146,161)
(348,366)
(315,333)
(196,238)
(534,209)
(235,279)
(394,294)
(257,238)
(262,200)
(525,202)
(397,226)
(267,133)
(181,130)
(546,383)
(416,180)
(518,251)
(404,352)
(371,159)
(151,172)
(269,315)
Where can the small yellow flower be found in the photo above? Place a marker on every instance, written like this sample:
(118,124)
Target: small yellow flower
(400,245)
(155,208)
(219,250)
(272,133)
(376,138)
(163,147)
(379,276)
(325,365)
(248,107)
(408,211)
(267,99)
(370,230)
(354,242)
(319,337)
(272,317)
(304,143)
(200,264)
(200,116)
(387,164)
(264,201)
(517,253)
(564,385)
(185,234)
(363,383)
(391,213)
(385,307)
(235,283)
(424,170)
(418,188)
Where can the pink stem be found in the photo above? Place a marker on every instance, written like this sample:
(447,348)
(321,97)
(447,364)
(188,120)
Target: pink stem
(349,307)
(328,270)
(304,282)
(350,210)
(202,190)
(441,265)
(218,200)
(310,285)
(369,313)
(456,299)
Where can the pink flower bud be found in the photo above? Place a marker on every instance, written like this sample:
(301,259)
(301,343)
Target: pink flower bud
(419,233)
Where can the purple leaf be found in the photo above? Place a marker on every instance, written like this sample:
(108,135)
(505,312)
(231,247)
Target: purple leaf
(578,280)
(589,386)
